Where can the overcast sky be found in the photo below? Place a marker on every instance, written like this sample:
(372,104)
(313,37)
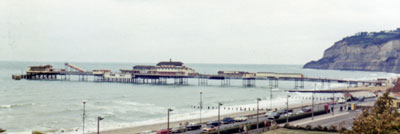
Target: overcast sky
(201,31)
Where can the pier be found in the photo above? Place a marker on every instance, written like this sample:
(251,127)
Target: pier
(165,72)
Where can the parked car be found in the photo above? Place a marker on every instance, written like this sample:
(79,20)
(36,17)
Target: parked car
(179,129)
(300,112)
(228,120)
(193,126)
(274,115)
(240,118)
(341,101)
(164,131)
(212,123)
(287,114)
(209,128)
(307,109)
(361,98)
(280,111)
(285,111)
(268,113)
(147,132)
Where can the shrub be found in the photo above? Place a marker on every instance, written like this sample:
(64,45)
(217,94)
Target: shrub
(300,116)
(325,128)
(37,132)
(2,130)
(333,128)
(318,128)
(286,125)
(300,127)
(273,127)
(343,130)
(308,127)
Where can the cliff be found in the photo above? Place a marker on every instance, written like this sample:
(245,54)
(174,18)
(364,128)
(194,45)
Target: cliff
(375,51)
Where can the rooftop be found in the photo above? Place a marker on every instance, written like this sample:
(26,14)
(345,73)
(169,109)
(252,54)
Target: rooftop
(170,63)
(45,66)
(143,67)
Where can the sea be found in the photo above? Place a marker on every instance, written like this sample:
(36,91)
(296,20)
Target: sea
(56,106)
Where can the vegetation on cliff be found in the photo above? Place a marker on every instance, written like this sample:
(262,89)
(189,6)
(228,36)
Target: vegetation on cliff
(372,38)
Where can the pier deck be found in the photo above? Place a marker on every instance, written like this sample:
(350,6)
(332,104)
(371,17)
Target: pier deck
(131,76)
(202,78)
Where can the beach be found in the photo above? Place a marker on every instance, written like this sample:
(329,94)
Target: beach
(132,108)
(158,126)
(154,127)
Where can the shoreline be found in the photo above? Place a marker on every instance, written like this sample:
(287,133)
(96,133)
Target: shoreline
(158,126)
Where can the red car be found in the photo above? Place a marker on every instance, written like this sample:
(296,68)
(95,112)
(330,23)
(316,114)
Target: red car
(164,131)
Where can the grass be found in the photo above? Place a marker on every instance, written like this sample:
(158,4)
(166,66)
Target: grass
(290,131)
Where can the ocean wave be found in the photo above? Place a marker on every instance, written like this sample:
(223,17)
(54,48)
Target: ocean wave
(177,115)
(5,106)
(131,103)
(16,105)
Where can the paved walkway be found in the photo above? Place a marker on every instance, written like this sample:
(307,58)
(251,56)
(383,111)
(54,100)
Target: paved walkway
(344,119)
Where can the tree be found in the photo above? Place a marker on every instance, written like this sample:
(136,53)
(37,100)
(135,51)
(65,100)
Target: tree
(37,132)
(381,119)
(2,130)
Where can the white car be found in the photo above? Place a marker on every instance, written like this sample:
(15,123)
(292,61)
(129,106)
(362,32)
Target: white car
(268,113)
(240,118)
(300,112)
(287,114)
(179,129)
(148,132)
(341,101)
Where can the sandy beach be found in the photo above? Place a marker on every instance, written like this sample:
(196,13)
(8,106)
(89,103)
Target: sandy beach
(158,126)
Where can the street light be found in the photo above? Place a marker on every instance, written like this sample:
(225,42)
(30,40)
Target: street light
(83,117)
(169,110)
(258,100)
(201,103)
(99,118)
(270,102)
(312,109)
(219,121)
(287,109)
(333,103)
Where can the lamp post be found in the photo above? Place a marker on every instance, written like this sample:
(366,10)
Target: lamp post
(99,118)
(258,100)
(287,109)
(270,93)
(83,117)
(312,108)
(169,110)
(333,103)
(201,104)
(219,120)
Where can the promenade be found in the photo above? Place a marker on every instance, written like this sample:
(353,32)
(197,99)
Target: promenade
(324,120)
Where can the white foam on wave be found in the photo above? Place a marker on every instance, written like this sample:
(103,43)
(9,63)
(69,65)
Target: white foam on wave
(373,76)
(277,103)
(16,105)
(5,106)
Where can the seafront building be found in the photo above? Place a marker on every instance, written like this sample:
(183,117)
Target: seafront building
(165,68)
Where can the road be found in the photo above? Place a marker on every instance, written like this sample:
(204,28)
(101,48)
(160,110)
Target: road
(344,118)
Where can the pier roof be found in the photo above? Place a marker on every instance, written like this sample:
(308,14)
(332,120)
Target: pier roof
(143,67)
(170,63)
